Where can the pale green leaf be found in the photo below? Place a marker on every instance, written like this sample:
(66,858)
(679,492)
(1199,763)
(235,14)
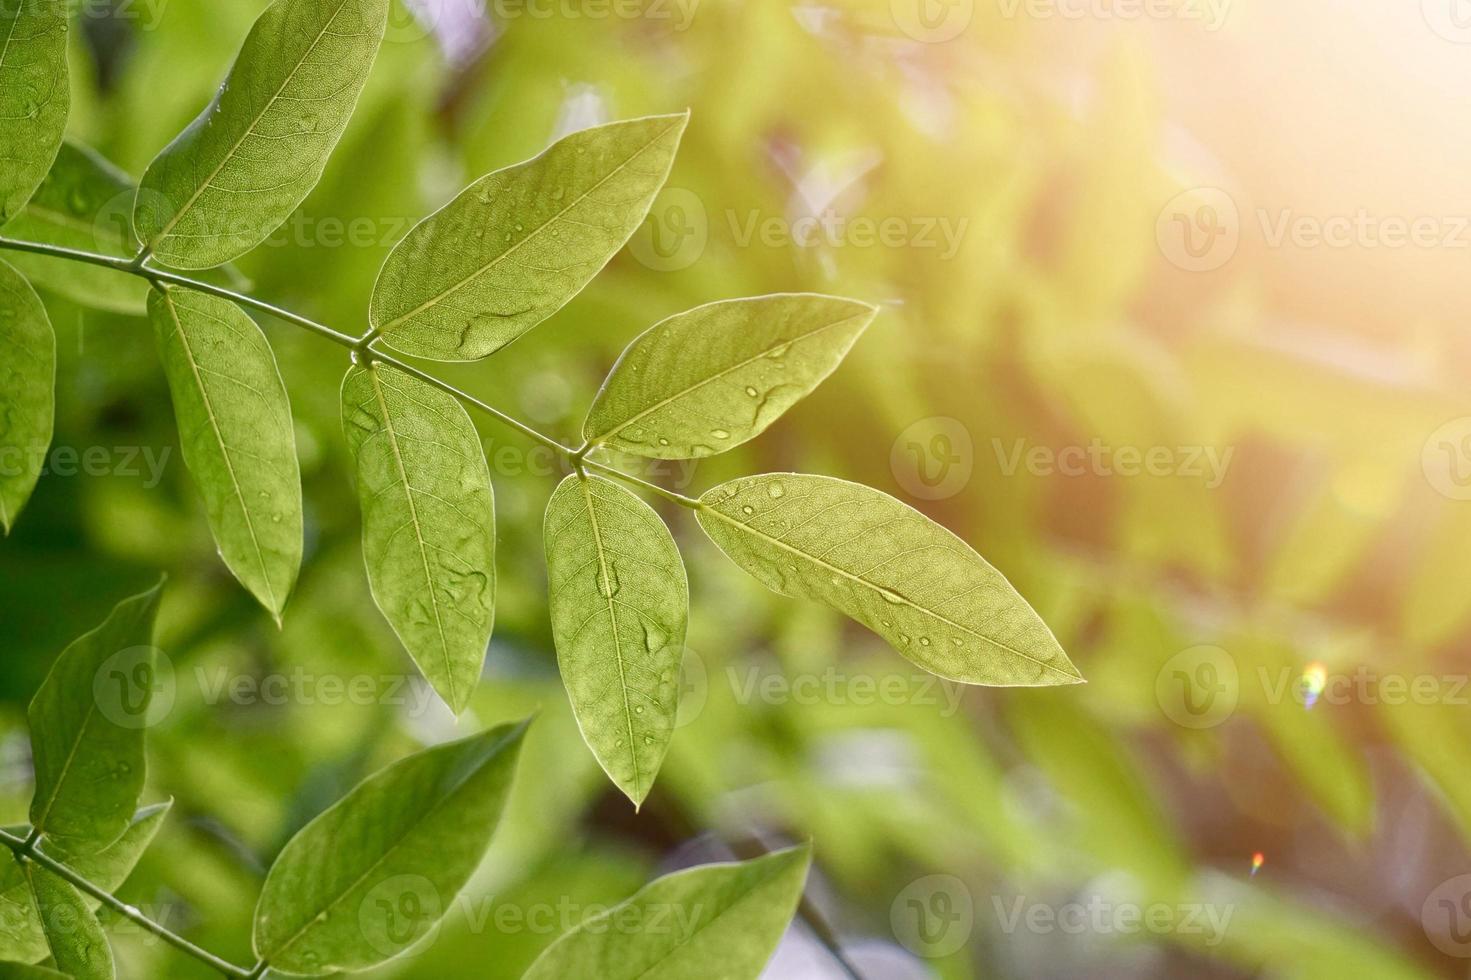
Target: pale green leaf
(24,971)
(255,152)
(891,568)
(371,875)
(34,95)
(518,243)
(714,922)
(703,381)
(73,933)
(619,606)
(236,435)
(428,522)
(21,935)
(84,203)
(27,391)
(86,747)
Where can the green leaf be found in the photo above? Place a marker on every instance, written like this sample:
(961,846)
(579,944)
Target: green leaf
(34,95)
(27,391)
(236,435)
(255,152)
(428,522)
(83,203)
(21,935)
(518,243)
(715,921)
(891,568)
(619,606)
(87,748)
(701,382)
(24,971)
(73,933)
(370,876)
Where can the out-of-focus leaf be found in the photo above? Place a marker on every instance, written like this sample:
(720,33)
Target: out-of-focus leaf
(27,391)
(891,568)
(236,434)
(73,933)
(718,920)
(518,243)
(25,971)
(87,747)
(255,152)
(371,875)
(428,522)
(34,95)
(619,608)
(703,381)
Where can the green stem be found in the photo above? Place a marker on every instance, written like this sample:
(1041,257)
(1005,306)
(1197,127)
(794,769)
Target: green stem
(25,850)
(359,346)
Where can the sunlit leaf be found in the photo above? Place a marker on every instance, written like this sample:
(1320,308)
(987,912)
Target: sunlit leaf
(428,522)
(236,435)
(891,568)
(27,391)
(255,152)
(73,933)
(518,243)
(34,95)
(619,607)
(370,876)
(701,382)
(87,747)
(718,920)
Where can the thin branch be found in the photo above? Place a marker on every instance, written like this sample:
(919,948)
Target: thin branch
(25,850)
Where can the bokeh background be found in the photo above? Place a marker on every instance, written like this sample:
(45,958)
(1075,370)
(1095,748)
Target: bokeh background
(1174,333)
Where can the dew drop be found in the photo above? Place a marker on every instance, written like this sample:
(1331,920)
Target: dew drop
(924,641)
(891,596)
(777,353)
(663,441)
(904,639)
(608,582)
(748,509)
(775,490)
(752,391)
(654,639)
(638,709)
(957,641)
(720,433)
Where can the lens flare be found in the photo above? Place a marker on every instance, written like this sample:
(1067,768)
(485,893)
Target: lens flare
(1314,679)
(1257,860)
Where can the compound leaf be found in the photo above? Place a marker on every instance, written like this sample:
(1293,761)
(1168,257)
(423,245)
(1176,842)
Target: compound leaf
(35,96)
(236,435)
(73,934)
(86,742)
(428,522)
(236,173)
(717,920)
(703,381)
(517,244)
(27,391)
(371,875)
(619,606)
(891,568)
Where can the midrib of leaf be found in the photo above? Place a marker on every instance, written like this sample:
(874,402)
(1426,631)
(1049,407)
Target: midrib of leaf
(9,34)
(71,756)
(235,147)
(681,943)
(881,590)
(30,870)
(418,530)
(433,300)
(387,853)
(607,582)
(224,448)
(723,372)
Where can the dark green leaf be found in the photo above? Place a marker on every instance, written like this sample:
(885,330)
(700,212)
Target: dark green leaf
(703,381)
(236,434)
(619,606)
(369,877)
(428,522)
(256,151)
(891,568)
(73,933)
(716,921)
(519,243)
(24,971)
(34,95)
(27,391)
